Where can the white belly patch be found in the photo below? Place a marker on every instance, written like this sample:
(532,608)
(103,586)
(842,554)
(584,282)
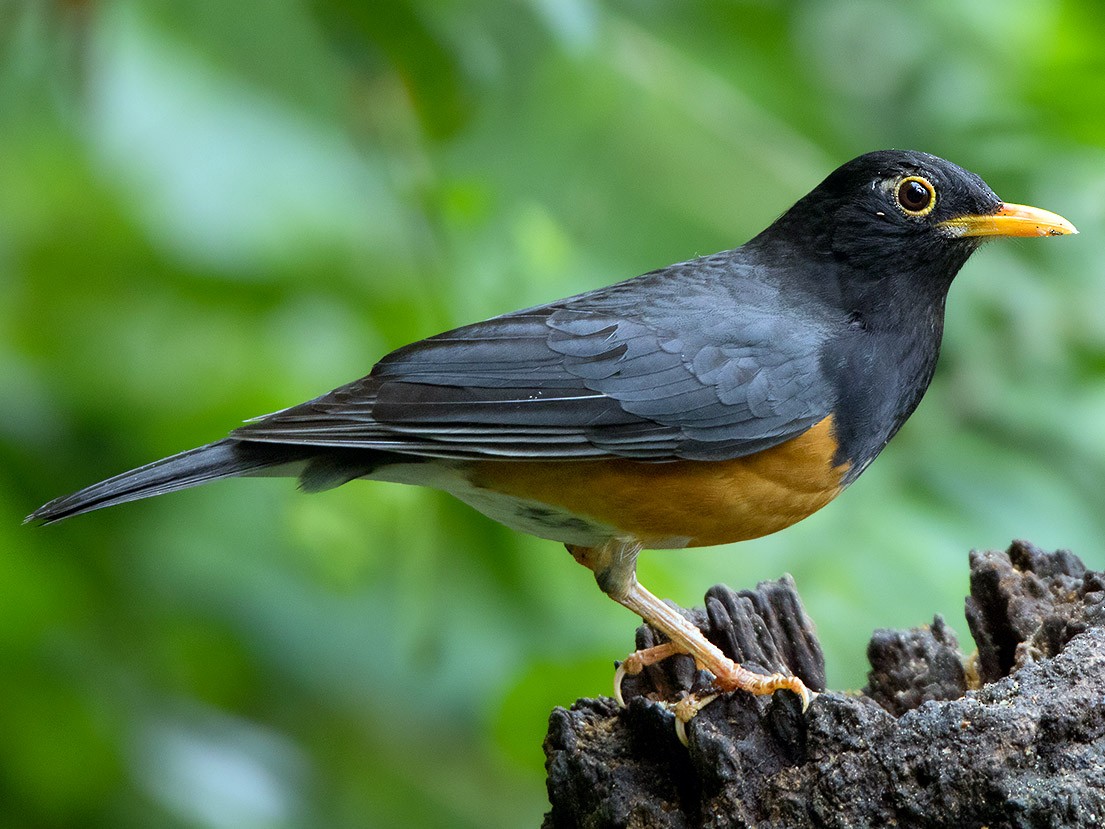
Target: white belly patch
(531,517)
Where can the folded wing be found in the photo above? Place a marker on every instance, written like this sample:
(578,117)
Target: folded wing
(691,373)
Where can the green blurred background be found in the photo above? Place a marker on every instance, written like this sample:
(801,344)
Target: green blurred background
(210,210)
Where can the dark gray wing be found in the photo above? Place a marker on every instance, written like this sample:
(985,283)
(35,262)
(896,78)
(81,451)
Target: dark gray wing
(685,363)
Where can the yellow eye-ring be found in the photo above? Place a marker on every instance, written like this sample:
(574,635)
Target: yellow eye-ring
(916,196)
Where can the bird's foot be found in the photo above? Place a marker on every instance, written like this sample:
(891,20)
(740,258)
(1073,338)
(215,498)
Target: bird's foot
(615,570)
(637,662)
(686,710)
(734,677)
(728,676)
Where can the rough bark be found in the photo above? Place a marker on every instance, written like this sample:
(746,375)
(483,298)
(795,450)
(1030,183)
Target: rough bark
(1012,737)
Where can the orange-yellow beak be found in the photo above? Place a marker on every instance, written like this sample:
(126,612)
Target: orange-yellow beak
(1011,220)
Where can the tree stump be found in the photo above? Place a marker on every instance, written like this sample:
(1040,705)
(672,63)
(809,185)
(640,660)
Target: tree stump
(1013,736)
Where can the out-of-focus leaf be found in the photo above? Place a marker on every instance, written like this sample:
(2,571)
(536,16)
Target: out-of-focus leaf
(369,33)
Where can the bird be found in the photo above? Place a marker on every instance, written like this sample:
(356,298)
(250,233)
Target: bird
(712,401)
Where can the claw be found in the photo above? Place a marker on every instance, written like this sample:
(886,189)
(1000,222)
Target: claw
(686,710)
(637,662)
(807,696)
(619,675)
(681,720)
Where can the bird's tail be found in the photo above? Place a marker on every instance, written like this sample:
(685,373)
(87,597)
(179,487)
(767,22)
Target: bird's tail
(226,458)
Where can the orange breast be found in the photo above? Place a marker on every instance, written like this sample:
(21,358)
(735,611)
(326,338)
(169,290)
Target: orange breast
(696,503)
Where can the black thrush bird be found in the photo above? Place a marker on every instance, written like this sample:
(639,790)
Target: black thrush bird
(712,401)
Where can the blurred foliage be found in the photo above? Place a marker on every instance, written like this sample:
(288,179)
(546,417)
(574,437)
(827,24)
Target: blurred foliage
(211,210)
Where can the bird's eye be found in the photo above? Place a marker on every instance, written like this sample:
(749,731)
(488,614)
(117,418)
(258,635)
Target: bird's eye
(916,196)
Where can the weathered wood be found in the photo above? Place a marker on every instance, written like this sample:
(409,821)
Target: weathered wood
(916,749)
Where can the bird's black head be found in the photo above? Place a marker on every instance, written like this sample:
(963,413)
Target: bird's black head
(904,215)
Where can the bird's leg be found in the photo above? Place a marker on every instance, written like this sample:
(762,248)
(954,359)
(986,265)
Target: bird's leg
(615,567)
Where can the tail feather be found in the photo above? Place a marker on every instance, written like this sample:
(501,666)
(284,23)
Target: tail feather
(223,459)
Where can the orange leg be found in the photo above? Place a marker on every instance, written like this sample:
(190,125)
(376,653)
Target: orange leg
(615,567)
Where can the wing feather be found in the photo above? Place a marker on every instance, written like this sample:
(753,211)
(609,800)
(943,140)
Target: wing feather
(690,362)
